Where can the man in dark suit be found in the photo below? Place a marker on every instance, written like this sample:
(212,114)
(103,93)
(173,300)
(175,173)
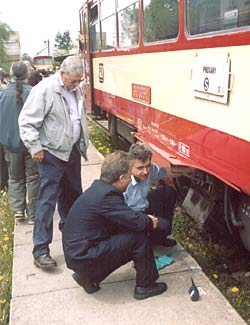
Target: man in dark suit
(101,232)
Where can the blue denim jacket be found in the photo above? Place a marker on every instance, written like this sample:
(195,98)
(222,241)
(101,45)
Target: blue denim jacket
(9,113)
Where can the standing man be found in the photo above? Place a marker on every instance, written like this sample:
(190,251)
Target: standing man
(101,232)
(159,202)
(23,182)
(53,127)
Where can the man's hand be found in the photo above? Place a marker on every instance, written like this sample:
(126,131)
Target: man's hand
(39,156)
(154,221)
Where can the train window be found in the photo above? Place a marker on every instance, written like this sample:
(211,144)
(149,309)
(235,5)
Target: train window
(160,20)
(121,4)
(94,29)
(106,9)
(128,25)
(204,16)
(108,28)
(83,28)
(108,33)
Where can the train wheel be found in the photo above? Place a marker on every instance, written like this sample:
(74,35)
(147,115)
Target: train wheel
(244,216)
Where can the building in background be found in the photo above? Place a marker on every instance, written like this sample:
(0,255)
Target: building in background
(13,48)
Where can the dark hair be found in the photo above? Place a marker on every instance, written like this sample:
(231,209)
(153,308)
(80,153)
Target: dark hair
(19,72)
(114,165)
(140,152)
(34,78)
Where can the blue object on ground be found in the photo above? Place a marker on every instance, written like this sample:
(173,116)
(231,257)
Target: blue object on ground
(162,261)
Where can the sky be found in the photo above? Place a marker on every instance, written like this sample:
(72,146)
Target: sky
(40,20)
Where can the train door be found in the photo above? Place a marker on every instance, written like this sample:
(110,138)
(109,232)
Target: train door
(85,49)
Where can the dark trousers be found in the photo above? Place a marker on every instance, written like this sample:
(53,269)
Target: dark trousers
(110,254)
(3,170)
(60,182)
(162,202)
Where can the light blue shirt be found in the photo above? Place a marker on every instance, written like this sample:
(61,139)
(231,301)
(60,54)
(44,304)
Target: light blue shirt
(137,192)
(73,110)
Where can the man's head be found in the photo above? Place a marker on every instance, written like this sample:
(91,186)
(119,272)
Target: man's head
(72,72)
(19,71)
(141,156)
(116,169)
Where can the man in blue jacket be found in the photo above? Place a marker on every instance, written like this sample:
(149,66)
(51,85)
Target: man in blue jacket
(101,232)
(23,182)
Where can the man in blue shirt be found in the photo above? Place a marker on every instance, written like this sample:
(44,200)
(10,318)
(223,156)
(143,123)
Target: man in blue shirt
(159,202)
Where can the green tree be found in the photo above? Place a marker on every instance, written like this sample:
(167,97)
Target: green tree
(26,57)
(160,20)
(63,41)
(5,33)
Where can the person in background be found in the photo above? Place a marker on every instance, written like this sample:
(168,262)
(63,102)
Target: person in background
(2,83)
(34,78)
(101,232)
(2,86)
(6,78)
(160,201)
(53,127)
(23,173)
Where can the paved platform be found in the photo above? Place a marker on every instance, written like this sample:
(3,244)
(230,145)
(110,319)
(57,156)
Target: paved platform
(52,297)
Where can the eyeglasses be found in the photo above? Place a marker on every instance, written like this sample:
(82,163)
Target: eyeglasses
(73,82)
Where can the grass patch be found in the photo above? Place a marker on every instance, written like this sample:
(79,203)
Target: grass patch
(103,142)
(6,256)
(226,263)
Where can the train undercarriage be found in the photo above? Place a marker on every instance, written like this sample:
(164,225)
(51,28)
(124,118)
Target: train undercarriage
(204,197)
(207,199)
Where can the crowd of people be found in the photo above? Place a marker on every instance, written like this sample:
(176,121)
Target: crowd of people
(44,135)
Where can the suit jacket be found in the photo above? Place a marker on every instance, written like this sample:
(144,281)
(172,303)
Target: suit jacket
(96,215)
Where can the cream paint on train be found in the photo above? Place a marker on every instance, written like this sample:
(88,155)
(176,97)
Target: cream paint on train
(169,76)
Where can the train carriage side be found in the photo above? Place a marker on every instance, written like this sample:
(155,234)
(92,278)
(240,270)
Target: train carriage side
(176,72)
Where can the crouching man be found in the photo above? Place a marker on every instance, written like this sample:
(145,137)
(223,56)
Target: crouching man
(101,232)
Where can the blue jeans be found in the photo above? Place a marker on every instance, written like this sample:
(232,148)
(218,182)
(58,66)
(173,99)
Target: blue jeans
(60,182)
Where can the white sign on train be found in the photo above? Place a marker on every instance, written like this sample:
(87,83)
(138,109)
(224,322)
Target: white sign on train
(210,78)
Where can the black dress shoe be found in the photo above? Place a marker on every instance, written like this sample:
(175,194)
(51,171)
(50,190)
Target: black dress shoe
(44,261)
(154,290)
(168,242)
(84,281)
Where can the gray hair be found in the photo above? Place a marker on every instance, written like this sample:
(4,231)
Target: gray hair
(72,65)
(140,152)
(19,71)
(114,165)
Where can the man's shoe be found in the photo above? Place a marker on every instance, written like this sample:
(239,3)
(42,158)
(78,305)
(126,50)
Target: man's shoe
(85,282)
(146,292)
(19,215)
(44,261)
(168,242)
(31,221)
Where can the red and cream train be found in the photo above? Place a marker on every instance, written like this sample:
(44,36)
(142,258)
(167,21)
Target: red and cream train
(177,74)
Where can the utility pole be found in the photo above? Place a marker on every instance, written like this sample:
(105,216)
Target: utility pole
(48,47)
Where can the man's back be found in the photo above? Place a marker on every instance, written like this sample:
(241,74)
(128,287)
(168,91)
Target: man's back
(96,215)
(85,218)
